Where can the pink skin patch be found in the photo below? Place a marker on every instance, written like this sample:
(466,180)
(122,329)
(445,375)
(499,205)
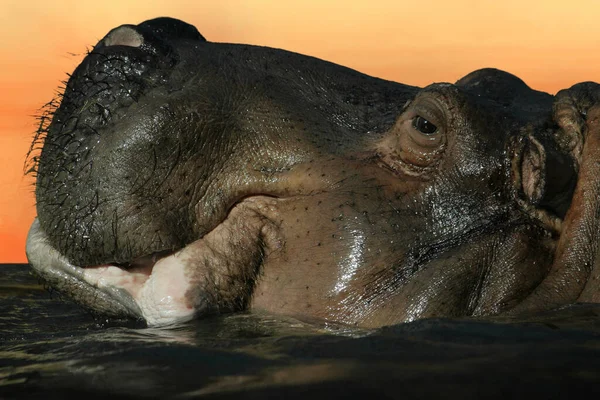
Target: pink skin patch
(158,290)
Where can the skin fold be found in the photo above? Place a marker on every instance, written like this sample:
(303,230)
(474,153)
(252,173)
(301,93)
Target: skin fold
(180,178)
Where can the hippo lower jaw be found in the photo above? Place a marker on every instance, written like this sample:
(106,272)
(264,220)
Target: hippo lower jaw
(164,289)
(57,271)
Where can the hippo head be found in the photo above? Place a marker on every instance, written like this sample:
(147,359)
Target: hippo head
(180,177)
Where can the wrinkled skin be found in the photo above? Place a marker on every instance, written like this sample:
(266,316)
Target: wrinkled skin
(181,178)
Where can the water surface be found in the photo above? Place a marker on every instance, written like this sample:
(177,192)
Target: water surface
(51,348)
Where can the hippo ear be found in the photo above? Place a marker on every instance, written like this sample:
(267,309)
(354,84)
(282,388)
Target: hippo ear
(544,178)
(529,180)
(533,170)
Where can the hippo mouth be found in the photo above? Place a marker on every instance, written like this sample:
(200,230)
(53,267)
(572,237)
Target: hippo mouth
(163,287)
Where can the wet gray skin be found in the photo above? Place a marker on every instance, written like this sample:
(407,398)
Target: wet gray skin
(230,177)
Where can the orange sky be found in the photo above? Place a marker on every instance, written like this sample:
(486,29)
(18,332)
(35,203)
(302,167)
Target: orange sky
(549,44)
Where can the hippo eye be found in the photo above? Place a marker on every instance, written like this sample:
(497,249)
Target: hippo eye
(423,126)
(415,144)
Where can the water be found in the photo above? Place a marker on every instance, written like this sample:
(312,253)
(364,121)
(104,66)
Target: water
(50,348)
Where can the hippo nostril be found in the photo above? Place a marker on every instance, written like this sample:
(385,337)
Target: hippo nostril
(170,29)
(123,36)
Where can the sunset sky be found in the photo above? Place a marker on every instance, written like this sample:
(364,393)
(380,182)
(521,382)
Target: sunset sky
(549,44)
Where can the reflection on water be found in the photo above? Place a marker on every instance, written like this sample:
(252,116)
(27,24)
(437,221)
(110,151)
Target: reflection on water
(50,348)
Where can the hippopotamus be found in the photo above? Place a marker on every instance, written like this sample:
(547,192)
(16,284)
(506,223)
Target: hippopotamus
(182,178)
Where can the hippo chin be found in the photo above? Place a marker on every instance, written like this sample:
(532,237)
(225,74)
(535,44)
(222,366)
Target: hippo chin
(181,178)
